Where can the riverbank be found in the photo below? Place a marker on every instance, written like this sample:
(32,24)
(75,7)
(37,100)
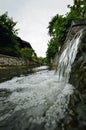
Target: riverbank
(9,62)
(6,73)
(14,66)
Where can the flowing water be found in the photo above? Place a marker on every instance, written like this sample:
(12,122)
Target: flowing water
(67,58)
(39,100)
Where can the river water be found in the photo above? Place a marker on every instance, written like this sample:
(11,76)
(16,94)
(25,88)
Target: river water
(36,101)
(39,101)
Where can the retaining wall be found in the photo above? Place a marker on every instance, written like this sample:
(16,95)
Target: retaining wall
(10,61)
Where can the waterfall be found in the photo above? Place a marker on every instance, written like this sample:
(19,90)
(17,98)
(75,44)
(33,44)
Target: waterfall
(67,58)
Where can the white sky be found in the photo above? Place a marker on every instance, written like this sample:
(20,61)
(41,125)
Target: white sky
(33,17)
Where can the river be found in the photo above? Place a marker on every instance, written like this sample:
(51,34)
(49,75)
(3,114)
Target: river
(40,100)
(33,102)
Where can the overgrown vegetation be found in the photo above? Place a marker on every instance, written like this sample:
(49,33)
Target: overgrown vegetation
(27,53)
(59,27)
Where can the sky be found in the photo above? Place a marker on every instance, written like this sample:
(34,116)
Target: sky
(33,17)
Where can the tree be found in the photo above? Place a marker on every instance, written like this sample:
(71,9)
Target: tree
(27,53)
(8,24)
(52,48)
(79,7)
(59,27)
(51,25)
(8,42)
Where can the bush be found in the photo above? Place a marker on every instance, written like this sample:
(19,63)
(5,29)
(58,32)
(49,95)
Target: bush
(27,53)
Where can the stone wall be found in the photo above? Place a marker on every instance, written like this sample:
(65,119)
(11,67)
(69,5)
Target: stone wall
(10,61)
(78,80)
(78,69)
(76,26)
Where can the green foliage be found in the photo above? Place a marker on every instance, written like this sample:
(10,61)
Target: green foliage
(52,49)
(8,24)
(8,42)
(35,58)
(59,27)
(79,7)
(40,60)
(51,25)
(27,53)
(58,35)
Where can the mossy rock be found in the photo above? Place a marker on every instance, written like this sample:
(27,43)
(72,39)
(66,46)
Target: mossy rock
(78,80)
(78,70)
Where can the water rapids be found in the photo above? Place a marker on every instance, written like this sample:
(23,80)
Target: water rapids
(38,101)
